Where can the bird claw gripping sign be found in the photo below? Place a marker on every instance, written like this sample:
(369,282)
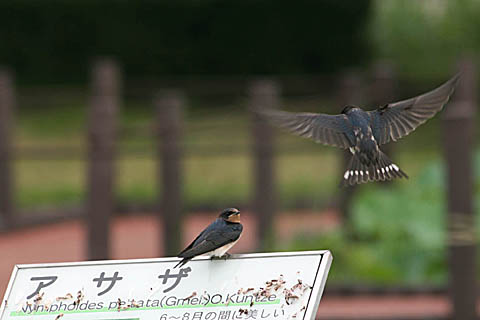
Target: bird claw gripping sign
(253,286)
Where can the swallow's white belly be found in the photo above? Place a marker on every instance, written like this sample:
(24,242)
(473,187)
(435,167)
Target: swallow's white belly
(220,252)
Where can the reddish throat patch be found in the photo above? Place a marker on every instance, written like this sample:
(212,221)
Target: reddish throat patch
(234,218)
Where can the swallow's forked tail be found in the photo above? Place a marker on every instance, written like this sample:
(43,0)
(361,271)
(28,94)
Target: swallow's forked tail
(182,262)
(384,169)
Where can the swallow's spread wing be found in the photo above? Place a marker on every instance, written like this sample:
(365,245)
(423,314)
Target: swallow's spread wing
(323,128)
(216,235)
(398,119)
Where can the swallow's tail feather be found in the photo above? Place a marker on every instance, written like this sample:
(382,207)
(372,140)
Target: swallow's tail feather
(384,169)
(356,172)
(182,262)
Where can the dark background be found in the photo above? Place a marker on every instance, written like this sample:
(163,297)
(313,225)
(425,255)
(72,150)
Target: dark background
(54,41)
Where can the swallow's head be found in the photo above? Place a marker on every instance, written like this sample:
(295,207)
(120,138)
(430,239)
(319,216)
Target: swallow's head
(347,109)
(230,215)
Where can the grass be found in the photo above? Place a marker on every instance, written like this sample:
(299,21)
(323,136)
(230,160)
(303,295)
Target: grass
(209,181)
(50,169)
(41,183)
(50,139)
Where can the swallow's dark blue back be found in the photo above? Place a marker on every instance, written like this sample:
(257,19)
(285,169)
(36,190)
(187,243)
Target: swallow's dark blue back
(218,225)
(359,119)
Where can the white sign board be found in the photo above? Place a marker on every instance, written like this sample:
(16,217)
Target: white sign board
(264,286)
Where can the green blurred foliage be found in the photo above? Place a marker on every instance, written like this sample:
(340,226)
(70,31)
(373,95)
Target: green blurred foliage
(425,38)
(400,233)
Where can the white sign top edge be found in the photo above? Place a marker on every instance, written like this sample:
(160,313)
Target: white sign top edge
(170,259)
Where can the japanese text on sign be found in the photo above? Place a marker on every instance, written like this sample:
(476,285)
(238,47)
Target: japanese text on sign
(282,286)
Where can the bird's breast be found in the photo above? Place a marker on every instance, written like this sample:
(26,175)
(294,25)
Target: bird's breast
(220,252)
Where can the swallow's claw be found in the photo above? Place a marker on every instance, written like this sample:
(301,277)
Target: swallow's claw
(226,256)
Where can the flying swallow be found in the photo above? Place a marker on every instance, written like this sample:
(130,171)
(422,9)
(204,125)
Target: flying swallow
(362,132)
(216,239)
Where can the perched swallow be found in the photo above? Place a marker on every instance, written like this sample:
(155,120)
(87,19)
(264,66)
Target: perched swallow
(363,131)
(216,239)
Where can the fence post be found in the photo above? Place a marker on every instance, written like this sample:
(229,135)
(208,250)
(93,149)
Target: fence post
(263,94)
(7,104)
(169,106)
(104,105)
(350,92)
(459,118)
